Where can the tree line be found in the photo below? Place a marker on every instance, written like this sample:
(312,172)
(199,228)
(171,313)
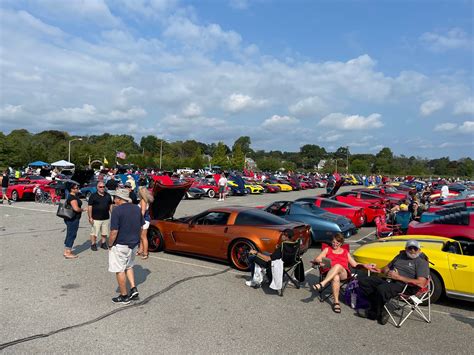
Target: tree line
(20,147)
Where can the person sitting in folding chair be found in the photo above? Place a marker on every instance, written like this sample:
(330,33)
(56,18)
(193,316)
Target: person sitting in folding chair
(338,270)
(264,260)
(409,267)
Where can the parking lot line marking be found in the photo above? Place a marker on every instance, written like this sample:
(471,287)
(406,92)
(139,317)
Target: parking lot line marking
(356,241)
(452,314)
(192,264)
(29,209)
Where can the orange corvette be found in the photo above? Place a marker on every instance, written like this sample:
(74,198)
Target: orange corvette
(222,233)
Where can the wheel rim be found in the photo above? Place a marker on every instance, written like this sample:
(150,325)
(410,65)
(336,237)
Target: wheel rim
(211,193)
(154,240)
(239,254)
(14,195)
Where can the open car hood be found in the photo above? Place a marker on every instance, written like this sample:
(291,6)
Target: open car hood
(166,199)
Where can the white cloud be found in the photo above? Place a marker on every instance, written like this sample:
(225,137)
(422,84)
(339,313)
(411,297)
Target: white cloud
(464,107)
(238,102)
(443,127)
(192,110)
(11,110)
(330,137)
(351,122)
(455,38)
(308,106)
(467,127)
(282,123)
(431,106)
(39,25)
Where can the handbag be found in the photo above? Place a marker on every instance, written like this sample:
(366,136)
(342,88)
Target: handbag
(65,211)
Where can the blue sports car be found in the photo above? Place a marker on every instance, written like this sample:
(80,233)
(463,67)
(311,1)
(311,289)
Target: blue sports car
(324,225)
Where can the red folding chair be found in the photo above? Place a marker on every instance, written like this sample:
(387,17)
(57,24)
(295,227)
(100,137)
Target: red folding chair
(411,301)
(383,229)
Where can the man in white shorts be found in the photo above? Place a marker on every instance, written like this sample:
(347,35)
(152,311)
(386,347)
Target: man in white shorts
(125,228)
(98,210)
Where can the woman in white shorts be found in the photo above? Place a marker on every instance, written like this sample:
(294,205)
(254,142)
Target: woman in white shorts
(145,199)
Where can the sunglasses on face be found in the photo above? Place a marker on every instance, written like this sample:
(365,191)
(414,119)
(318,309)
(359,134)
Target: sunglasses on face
(100,187)
(413,248)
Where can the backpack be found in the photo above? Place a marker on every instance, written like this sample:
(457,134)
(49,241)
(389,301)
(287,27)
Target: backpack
(354,297)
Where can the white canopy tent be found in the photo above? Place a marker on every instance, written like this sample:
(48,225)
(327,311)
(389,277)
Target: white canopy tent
(63,164)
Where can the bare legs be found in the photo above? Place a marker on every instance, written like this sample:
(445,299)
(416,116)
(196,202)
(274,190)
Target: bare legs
(122,280)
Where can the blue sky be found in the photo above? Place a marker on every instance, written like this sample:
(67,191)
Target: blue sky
(363,74)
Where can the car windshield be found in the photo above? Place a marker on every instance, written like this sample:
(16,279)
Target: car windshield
(310,207)
(256,217)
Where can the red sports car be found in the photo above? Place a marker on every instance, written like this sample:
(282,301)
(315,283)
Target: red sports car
(385,192)
(354,196)
(458,203)
(459,225)
(22,191)
(355,214)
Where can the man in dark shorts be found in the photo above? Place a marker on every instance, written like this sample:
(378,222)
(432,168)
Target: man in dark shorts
(410,266)
(5,183)
(98,209)
(125,229)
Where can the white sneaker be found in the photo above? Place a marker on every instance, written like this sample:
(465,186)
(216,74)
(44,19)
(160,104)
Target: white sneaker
(250,283)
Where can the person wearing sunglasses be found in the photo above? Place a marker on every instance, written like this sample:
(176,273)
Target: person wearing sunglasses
(72,224)
(98,209)
(410,266)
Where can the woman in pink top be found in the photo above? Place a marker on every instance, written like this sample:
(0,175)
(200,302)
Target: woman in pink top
(339,268)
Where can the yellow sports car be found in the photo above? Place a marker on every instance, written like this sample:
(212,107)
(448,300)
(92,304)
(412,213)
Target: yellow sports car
(254,188)
(451,262)
(283,187)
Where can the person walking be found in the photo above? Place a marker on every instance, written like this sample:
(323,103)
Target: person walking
(5,183)
(72,224)
(98,210)
(145,199)
(222,186)
(125,228)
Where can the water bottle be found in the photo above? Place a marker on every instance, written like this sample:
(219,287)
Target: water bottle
(353,299)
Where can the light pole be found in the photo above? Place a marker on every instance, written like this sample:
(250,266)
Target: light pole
(347,159)
(161,151)
(69,151)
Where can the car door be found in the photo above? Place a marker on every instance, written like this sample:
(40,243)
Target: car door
(461,268)
(204,235)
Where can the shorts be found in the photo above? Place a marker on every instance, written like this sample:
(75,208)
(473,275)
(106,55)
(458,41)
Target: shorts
(4,191)
(146,225)
(221,189)
(99,228)
(121,258)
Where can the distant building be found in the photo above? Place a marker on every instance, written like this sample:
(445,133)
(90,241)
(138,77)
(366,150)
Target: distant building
(321,164)
(250,163)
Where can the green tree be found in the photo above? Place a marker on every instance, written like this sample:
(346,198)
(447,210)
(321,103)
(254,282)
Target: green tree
(197,161)
(238,158)
(359,166)
(220,156)
(268,164)
(383,161)
(465,168)
(312,154)
(244,142)
(150,144)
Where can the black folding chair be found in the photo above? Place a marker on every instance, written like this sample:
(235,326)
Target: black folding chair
(290,255)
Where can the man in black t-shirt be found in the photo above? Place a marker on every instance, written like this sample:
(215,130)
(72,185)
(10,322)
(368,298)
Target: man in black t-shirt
(125,228)
(100,205)
(5,183)
(408,267)
(112,184)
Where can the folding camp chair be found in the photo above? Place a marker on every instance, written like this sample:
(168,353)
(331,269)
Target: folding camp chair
(290,251)
(411,301)
(323,272)
(383,229)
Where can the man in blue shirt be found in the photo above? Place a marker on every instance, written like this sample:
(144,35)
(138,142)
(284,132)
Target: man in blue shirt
(125,228)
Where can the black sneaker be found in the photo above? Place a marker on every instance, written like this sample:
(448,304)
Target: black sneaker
(133,293)
(121,299)
(104,246)
(383,319)
(94,247)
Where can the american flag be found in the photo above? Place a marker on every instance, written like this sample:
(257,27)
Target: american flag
(121,155)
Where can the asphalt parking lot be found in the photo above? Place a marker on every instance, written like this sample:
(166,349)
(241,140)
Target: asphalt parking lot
(187,305)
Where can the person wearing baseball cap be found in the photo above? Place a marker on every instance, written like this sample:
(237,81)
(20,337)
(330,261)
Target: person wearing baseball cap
(125,228)
(410,266)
